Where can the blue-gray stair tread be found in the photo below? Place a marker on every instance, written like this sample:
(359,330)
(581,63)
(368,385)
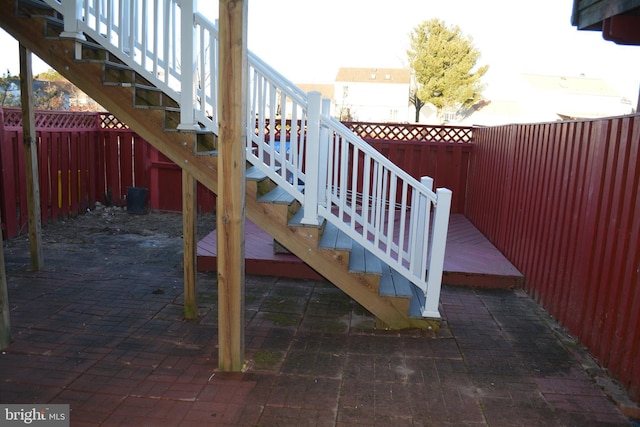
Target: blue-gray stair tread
(394,284)
(333,238)
(277,195)
(255,174)
(417,302)
(296,220)
(363,261)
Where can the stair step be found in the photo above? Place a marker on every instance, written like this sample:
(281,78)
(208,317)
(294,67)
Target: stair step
(278,195)
(363,261)
(333,238)
(394,284)
(92,52)
(296,220)
(34,9)
(117,74)
(255,174)
(147,96)
(206,143)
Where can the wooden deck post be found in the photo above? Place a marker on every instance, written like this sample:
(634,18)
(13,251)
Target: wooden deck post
(231,182)
(31,159)
(189,242)
(5,324)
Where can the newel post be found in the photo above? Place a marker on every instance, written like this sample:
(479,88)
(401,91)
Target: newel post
(312,157)
(189,66)
(436,258)
(72,16)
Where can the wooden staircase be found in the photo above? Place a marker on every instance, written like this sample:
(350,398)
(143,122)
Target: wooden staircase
(155,116)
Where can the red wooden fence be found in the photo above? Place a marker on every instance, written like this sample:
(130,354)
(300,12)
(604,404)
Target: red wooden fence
(89,157)
(67,160)
(446,163)
(83,158)
(441,152)
(561,201)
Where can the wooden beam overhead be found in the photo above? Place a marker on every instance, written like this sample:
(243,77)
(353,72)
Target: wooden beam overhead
(590,14)
(622,29)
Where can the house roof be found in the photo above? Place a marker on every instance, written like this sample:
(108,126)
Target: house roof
(327,90)
(573,85)
(374,75)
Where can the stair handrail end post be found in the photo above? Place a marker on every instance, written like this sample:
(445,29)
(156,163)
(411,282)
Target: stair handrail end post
(72,16)
(323,158)
(312,157)
(188,66)
(419,228)
(440,228)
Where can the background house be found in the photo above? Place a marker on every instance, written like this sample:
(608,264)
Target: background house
(372,94)
(382,95)
(541,98)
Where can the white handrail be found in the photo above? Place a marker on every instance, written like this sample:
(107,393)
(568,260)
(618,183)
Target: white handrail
(332,172)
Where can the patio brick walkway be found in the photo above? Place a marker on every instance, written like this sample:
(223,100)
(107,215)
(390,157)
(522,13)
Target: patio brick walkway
(101,329)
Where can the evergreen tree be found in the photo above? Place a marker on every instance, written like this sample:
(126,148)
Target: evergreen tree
(444,64)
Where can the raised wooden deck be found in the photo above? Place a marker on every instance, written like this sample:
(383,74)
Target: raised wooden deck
(470,259)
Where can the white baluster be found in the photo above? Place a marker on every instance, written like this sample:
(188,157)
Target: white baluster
(419,228)
(189,68)
(323,157)
(314,100)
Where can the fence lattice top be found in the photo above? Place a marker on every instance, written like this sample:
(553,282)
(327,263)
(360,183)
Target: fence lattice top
(411,132)
(12,118)
(370,132)
(109,121)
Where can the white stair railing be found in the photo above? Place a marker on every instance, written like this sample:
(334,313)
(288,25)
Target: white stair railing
(165,41)
(387,211)
(332,172)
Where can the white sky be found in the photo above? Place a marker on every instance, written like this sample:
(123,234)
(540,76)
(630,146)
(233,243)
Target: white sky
(307,41)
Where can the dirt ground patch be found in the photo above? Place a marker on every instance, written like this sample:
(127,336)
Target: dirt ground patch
(113,221)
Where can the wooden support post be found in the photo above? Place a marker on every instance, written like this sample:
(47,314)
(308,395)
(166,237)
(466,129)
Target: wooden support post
(189,239)
(230,208)
(5,324)
(31,159)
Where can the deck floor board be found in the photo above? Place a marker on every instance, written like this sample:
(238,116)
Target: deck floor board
(470,258)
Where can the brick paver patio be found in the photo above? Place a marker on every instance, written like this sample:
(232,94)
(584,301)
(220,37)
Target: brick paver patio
(101,329)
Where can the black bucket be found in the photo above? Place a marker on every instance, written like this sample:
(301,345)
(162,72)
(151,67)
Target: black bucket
(136,200)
